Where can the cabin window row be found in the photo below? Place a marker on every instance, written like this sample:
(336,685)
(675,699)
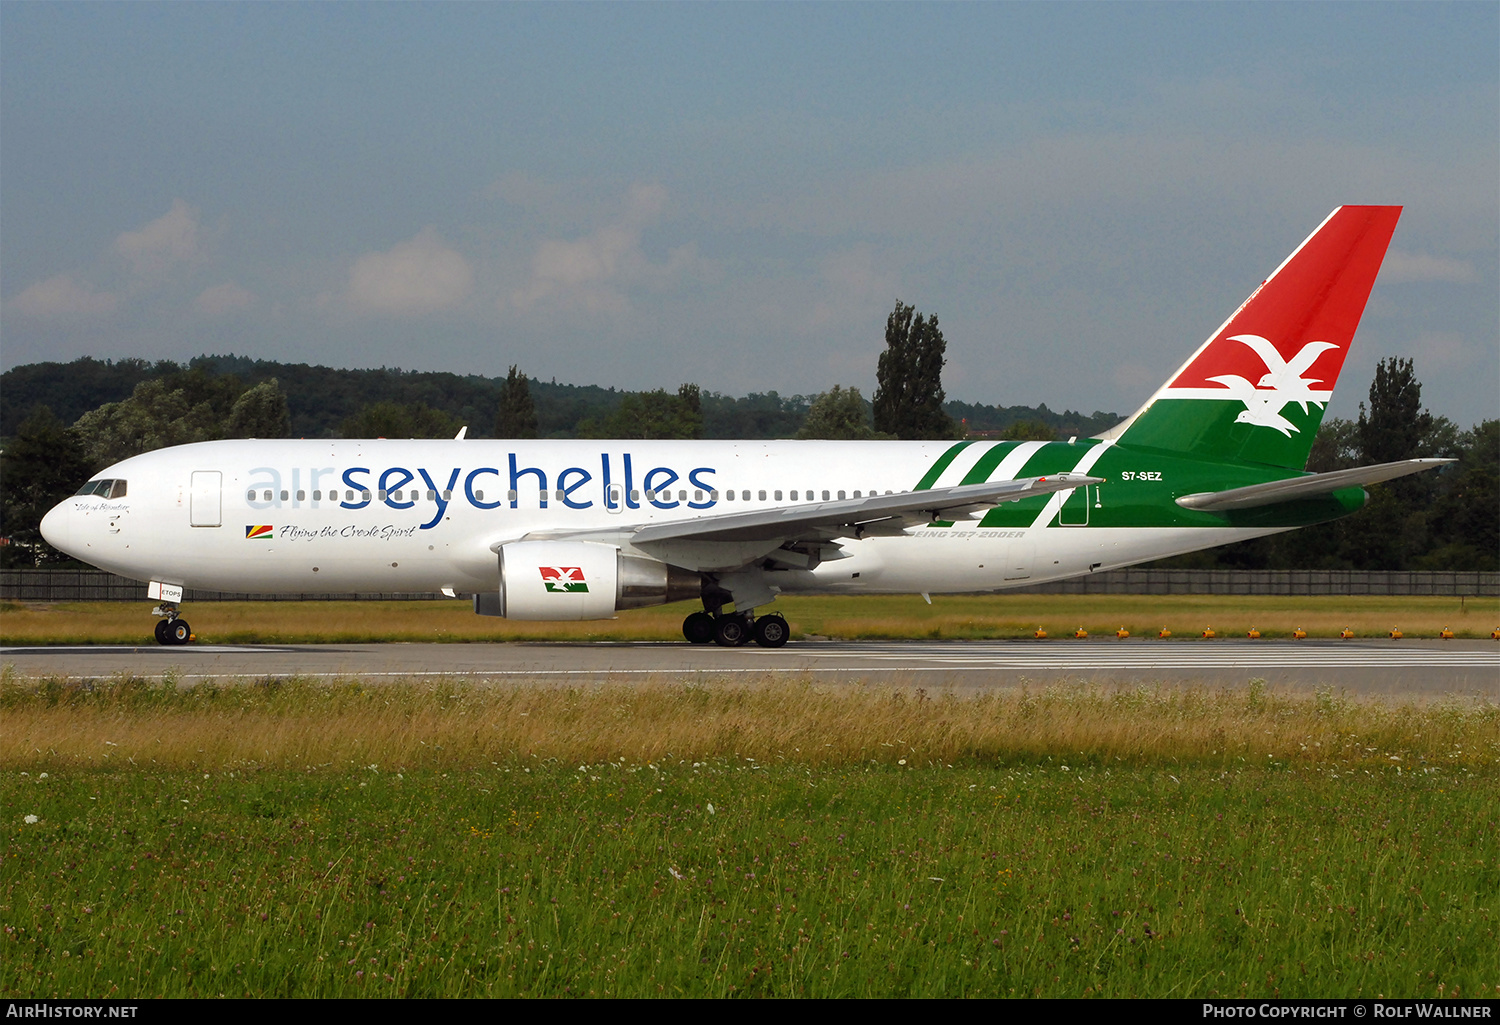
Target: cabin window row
(352,496)
(116,489)
(807,496)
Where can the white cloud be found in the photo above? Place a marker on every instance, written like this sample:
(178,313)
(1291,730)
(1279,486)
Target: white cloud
(61,297)
(419,275)
(152,251)
(161,244)
(594,272)
(218,300)
(1403,266)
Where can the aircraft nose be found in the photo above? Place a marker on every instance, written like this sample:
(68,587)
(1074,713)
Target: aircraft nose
(57,526)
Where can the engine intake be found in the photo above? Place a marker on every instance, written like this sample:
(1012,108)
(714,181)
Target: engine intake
(570,580)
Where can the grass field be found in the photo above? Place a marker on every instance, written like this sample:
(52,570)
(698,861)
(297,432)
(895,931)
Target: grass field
(292,839)
(863,617)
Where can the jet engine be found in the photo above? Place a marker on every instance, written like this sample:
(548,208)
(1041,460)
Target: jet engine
(566,580)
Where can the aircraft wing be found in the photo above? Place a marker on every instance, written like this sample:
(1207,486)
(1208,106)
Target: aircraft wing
(858,517)
(1310,486)
(878,515)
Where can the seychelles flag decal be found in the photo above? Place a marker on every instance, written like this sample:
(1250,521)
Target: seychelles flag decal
(564,579)
(264,530)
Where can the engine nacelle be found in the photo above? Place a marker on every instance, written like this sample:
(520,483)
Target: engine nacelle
(567,580)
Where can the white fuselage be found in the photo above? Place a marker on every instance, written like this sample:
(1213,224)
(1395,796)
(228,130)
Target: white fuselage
(340,516)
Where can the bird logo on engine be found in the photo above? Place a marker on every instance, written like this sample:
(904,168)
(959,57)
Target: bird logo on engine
(564,579)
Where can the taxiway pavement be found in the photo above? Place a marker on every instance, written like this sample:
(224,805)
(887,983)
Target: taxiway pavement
(1405,668)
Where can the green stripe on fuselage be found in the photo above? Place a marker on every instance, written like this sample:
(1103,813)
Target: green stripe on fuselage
(944,461)
(980,472)
(1140,487)
(1053,457)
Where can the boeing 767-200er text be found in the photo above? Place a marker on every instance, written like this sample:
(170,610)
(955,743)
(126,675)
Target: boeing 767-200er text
(564,530)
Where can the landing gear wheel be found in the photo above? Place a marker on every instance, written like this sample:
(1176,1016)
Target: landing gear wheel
(161,631)
(732,631)
(178,632)
(771,631)
(699,628)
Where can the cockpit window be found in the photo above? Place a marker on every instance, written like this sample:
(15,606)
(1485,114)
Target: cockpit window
(103,488)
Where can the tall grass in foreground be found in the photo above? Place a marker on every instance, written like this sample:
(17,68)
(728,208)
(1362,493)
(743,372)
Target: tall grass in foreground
(729,877)
(53,724)
(440,839)
(845,617)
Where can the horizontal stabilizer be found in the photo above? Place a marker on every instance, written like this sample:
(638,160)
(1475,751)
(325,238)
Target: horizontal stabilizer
(1310,486)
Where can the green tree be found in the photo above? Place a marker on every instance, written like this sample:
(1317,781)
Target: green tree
(153,417)
(43,464)
(1391,532)
(400,420)
(1395,425)
(260,412)
(909,379)
(517,415)
(1335,448)
(1029,430)
(652,414)
(1465,519)
(839,414)
(692,408)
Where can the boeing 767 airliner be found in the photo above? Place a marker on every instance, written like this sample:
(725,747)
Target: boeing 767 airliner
(567,530)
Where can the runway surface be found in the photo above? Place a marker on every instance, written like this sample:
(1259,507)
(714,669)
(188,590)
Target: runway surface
(1420,668)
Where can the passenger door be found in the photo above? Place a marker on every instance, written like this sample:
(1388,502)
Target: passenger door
(206,499)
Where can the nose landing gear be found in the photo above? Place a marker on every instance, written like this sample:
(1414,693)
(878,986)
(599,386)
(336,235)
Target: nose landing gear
(172,630)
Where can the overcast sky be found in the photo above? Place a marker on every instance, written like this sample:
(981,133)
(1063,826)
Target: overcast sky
(737,194)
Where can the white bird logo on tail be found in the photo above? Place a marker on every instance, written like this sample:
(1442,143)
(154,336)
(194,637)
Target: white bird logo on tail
(1282,383)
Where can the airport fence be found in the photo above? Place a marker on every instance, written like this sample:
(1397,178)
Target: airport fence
(1278,581)
(63,585)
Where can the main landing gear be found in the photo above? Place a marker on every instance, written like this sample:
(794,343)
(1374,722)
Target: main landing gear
(733,629)
(172,630)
